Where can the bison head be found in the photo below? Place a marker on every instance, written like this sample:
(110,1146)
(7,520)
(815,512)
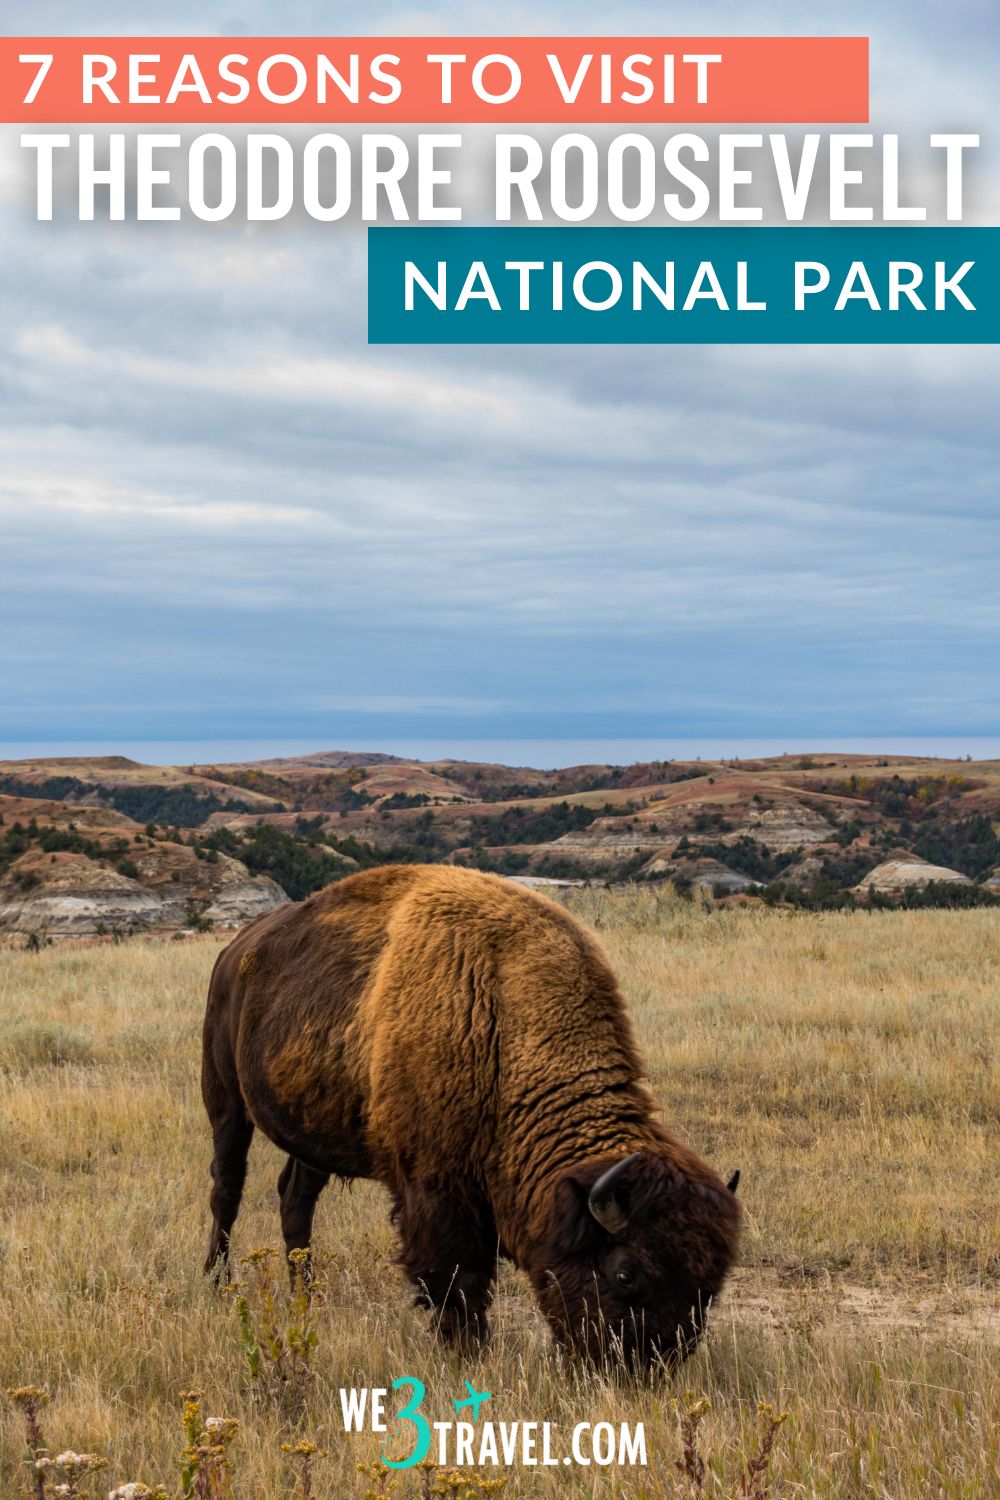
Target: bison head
(635,1251)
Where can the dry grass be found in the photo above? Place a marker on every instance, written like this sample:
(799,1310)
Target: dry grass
(847,1063)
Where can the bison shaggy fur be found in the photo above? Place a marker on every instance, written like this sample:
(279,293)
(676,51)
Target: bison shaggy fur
(463,1041)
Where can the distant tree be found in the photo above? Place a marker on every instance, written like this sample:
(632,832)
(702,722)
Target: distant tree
(970,844)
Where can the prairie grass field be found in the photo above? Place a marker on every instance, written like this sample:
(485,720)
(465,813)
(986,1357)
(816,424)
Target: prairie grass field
(846,1062)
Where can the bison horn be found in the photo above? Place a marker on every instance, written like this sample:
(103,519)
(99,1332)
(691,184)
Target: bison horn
(603,1201)
(734,1181)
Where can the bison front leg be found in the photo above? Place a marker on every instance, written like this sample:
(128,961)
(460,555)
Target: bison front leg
(459,1300)
(449,1253)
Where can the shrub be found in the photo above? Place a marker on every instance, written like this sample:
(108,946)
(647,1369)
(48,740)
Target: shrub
(40,1043)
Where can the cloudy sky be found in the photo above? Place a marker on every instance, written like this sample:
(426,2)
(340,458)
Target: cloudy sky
(224,517)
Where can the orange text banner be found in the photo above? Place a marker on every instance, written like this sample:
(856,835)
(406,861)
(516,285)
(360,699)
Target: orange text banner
(420,80)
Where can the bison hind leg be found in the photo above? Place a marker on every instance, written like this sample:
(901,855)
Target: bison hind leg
(299,1188)
(232,1133)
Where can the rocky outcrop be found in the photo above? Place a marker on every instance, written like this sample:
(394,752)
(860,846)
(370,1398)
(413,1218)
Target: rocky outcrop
(709,876)
(68,895)
(780,827)
(71,895)
(607,837)
(703,874)
(899,875)
(243,900)
(804,873)
(783,828)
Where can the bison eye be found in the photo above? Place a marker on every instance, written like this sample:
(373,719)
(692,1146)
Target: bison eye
(624,1277)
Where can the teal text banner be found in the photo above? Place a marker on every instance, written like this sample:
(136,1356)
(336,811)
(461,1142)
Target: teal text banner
(783,285)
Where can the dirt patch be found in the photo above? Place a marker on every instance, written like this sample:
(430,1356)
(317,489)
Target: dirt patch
(792,1301)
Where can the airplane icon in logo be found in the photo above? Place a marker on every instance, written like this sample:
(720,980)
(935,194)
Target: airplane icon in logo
(474,1400)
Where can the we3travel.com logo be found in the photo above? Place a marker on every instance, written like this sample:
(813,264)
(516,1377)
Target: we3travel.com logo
(466,1436)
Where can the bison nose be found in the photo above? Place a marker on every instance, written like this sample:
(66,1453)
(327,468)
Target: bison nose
(671,1348)
(686,1340)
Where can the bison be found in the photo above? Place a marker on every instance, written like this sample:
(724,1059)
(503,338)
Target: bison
(463,1041)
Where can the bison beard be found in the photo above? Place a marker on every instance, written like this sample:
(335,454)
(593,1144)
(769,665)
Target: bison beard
(463,1041)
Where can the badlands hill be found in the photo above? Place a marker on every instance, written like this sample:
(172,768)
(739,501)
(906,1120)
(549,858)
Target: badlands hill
(108,844)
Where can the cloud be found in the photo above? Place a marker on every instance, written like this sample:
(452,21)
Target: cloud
(229,516)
